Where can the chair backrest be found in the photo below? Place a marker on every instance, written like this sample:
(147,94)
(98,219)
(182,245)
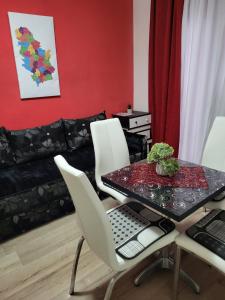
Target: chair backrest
(110,145)
(93,220)
(214,151)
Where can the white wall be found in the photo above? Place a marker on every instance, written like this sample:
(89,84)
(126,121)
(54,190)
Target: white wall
(141,20)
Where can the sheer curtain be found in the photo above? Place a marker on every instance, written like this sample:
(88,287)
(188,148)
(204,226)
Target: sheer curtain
(202,73)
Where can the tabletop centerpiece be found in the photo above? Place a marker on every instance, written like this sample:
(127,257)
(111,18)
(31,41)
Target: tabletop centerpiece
(161,154)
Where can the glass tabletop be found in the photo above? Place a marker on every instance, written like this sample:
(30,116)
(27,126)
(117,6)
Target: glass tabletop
(176,202)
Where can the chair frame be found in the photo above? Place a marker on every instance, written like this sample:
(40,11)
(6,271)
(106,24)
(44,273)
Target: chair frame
(82,188)
(75,265)
(100,159)
(179,250)
(164,262)
(111,283)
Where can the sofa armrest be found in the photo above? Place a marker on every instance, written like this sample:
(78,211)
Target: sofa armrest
(137,145)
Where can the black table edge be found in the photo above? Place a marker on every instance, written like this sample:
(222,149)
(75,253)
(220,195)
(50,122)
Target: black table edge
(165,212)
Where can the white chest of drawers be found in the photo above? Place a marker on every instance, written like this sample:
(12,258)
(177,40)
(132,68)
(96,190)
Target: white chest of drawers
(138,122)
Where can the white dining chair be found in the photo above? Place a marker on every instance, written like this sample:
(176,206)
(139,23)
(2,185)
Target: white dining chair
(214,156)
(183,242)
(98,231)
(111,152)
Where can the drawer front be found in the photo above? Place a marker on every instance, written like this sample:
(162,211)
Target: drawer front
(137,129)
(146,133)
(139,121)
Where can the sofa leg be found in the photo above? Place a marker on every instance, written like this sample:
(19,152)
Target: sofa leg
(75,264)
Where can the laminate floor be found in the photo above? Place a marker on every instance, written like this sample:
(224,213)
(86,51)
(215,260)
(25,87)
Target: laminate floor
(37,266)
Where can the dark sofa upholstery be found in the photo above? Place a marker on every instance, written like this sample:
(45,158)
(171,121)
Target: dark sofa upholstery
(32,191)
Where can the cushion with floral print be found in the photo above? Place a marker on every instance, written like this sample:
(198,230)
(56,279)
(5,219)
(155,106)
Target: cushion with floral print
(37,142)
(78,132)
(6,153)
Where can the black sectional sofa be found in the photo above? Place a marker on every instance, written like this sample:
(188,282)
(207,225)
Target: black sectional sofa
(32,191)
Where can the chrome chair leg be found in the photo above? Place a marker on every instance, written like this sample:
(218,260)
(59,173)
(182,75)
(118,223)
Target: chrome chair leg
(75,264)
(112,283)
(176,273)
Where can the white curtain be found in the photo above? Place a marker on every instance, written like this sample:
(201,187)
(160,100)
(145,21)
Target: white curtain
(202,73)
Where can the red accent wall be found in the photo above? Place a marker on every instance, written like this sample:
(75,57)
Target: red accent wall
(95,61)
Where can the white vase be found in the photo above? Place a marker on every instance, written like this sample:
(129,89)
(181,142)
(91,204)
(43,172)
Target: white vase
(160,170)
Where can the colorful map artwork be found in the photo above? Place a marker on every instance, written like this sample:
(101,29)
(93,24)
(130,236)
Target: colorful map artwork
(36,60)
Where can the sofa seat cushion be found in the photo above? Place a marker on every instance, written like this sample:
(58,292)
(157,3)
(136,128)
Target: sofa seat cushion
(26,210)
(35,143)
(28,175)
(82,159)
(78,132)
(6,154)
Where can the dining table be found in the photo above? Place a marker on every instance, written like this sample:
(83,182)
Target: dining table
(177,196)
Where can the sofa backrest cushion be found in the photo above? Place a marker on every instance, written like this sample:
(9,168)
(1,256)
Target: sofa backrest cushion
(6,153)
(78,133)
(37,142)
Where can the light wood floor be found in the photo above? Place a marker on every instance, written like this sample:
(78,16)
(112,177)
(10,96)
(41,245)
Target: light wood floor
(37,265)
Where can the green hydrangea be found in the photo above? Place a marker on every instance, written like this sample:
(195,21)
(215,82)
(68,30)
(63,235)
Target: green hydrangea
(161,154)
(170,166)
(159,151)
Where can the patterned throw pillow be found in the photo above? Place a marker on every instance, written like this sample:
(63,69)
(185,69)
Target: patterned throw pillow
(6,154)
(78,132)
(37,142)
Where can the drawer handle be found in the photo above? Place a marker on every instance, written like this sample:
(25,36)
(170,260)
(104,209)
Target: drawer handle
(136,122)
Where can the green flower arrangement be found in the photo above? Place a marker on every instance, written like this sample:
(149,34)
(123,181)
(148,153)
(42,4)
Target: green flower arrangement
(161,153)
(170,166)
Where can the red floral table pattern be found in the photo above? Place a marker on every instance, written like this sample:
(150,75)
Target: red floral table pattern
(176,197)
(193,177)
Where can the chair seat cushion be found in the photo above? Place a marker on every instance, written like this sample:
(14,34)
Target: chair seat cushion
(34,173)
(135,227)
(190,245)
(209,232)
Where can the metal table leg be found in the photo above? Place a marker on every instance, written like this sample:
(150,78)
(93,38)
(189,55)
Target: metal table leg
(167,263)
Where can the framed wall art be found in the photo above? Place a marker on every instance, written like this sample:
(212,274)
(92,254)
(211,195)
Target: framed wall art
(33,40)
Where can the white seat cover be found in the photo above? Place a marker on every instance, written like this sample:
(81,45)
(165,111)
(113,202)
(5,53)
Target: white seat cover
(214,153)
(94,222)
(190,245)
(111,152)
